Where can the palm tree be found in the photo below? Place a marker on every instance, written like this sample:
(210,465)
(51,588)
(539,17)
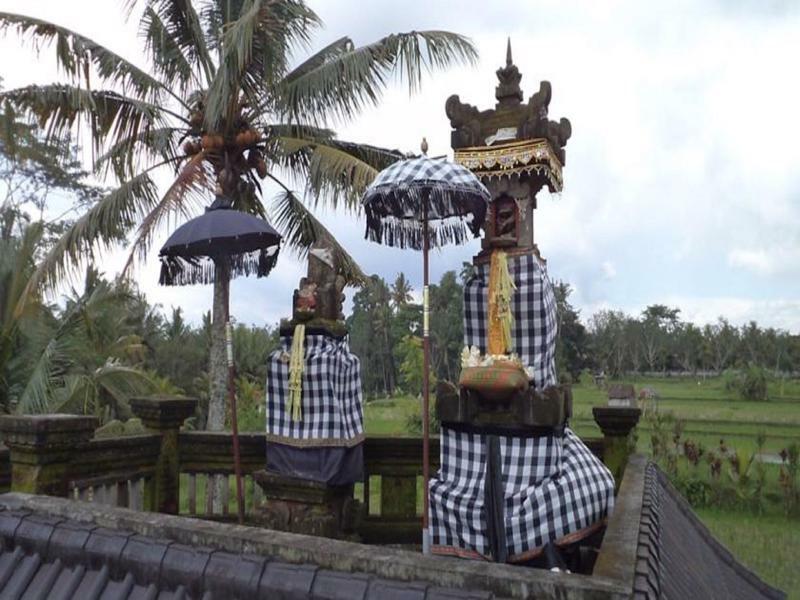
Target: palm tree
(77,359)
(222,107)
(401,291)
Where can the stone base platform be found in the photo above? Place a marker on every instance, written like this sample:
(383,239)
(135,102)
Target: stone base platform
(308,507)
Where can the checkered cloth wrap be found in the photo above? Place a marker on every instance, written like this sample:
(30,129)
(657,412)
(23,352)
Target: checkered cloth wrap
(331,411)
(534,309)
(555,488)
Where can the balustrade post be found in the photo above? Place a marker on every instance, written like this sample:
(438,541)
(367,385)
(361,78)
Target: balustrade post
(41,448)
(165,417)
(617,424)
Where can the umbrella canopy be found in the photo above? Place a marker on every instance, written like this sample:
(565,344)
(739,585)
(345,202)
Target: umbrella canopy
(398,199)
(422,203)
(241,244)
(249,243)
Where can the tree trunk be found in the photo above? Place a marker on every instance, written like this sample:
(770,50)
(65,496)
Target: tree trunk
(218,368)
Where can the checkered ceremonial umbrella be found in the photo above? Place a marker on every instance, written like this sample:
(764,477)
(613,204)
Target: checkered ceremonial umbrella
(418,203)
(222,243)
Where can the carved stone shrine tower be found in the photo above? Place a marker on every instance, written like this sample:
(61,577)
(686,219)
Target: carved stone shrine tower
(515,150)
(516,484)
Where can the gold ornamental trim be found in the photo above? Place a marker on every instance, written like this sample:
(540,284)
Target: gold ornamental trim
(316,442)
(505,160)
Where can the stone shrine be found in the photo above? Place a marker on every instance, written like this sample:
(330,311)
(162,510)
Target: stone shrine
(315,429)
(516,484)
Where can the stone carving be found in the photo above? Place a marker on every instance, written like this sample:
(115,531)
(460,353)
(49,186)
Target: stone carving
(320,294)
(535,123)
(504,227)
(508,92)
(465,121)
(472,127)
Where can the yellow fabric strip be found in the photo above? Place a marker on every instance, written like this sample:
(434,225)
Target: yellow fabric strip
(501,319)
(296,362)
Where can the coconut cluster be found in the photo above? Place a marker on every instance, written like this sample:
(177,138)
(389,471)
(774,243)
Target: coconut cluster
(240,150)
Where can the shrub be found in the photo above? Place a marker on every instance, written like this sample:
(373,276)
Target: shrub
(789,479)
(754,384)
(749,384)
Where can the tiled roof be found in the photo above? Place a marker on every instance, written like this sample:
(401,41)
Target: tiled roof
(50,557)
(677,557)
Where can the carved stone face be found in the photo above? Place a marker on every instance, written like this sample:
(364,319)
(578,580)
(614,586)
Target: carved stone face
(306,298)
(504,230)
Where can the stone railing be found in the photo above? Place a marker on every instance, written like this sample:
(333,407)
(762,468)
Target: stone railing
(206,461)
(171,471)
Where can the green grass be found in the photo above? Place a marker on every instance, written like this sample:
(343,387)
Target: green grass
(709,412)
(389,416)
(768,545)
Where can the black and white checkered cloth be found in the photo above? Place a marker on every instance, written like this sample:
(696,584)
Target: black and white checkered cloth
(555,489)
(455,199)
(534,309)
(331,409)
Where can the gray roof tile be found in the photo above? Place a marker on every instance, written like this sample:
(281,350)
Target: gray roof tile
(68,540)
(437,593)
(382,589)
(104,548)
(34,532)
(143,556)
(228,574)
(333,585)
(9,522)
(185,565)
(283,581)
(679,558)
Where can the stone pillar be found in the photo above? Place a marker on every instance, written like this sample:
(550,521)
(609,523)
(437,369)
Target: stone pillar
(41,448)
(165,417)
(617,424)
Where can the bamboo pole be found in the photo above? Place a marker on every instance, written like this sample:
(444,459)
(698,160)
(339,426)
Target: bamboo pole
(425,383)
(237,466)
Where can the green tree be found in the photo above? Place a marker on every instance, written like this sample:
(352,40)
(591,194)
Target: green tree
(401,291)
(371,336)
(447,326)
(688,346)
(219,78)
(411,364)
(84,358)
(607,328)
(658,322)
(572,342)
(721,340)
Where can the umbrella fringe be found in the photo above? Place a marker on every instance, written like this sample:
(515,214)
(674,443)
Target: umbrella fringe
(394,214)
(178,270)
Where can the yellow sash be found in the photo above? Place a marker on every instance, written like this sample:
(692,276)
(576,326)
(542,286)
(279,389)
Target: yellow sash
(501,319)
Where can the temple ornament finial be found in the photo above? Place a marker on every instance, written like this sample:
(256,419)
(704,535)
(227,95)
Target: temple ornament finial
(508,92)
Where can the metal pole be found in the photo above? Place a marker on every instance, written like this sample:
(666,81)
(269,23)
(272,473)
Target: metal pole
(237,466)
(426,540)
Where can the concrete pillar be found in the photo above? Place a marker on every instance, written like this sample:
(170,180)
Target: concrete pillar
(41,447)
(165,417)
(617,424)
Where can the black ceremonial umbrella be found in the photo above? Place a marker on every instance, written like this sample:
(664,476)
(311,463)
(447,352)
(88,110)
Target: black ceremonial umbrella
(222,243)
(418,203)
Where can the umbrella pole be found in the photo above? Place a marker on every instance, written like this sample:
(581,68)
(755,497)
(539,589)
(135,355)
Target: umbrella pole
(426,539)
(237,466)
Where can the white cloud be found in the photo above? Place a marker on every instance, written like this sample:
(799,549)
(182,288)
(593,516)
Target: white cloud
(767,261)
(754,260)
(608,269)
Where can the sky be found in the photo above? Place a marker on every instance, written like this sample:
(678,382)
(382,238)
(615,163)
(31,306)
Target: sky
(682,177)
